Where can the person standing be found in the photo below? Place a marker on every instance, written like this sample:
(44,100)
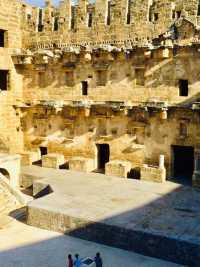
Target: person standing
(77,262)
(69,261)
(98,260)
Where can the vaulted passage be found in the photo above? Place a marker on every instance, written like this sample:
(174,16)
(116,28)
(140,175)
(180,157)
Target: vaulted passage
(183,163)
(103,155)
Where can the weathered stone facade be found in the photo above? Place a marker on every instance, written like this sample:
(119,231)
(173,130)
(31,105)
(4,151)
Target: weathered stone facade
(115,81)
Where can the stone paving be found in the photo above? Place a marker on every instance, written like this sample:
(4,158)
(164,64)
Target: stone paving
(159,220)
(26,246)
(169,209)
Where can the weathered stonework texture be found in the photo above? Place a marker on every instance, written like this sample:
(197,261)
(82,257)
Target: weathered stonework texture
(103,82)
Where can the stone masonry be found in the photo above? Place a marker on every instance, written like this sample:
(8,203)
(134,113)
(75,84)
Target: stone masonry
(103,84)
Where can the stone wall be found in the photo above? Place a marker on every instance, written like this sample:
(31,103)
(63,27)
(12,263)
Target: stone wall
(104,21)
(140,79)
(11,138)
(138,137)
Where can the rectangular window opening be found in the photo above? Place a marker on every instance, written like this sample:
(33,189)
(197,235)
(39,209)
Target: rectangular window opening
(198,11)
(183,129)
(69,78)
(156,16)
(4,80)
(55,27)
(173,14)
(2,38)
(41,79)
(101,78)
(90,20)
(108,14)
(40,21)
(139,77)
(72,18)
(84,85)
(178,14)
(183,87)
(128,16)
(150,12)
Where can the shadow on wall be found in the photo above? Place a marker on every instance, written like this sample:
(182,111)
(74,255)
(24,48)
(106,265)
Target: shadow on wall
(167,228)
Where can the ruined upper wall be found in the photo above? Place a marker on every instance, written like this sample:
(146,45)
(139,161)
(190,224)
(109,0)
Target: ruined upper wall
(10,22)
(104,21)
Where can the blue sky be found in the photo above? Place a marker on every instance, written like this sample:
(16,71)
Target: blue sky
(39,2)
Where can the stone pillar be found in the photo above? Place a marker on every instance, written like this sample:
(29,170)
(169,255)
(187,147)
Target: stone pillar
(196,174)
(162,162)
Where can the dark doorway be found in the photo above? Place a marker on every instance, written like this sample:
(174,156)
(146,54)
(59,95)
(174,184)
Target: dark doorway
(183,163)
(43,150)
(103,155)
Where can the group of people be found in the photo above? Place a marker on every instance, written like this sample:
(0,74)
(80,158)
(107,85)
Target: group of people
(78,263)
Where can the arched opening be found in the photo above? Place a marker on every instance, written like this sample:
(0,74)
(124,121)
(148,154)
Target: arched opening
(5,173)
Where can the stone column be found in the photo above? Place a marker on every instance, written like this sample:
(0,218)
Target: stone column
(162,162)
(196,174)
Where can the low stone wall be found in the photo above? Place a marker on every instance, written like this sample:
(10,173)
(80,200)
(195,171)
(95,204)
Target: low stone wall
(146,243)
(118,168)
(53,160)
(82,164)
(28,157)
(153,174)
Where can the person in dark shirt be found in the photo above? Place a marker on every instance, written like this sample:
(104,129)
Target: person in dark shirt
(69,261)
(98,260)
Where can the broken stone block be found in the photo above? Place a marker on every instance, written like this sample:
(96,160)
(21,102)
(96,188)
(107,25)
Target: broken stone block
(153,174)
(118,168)
(53,160)
(28,157)
(81,164)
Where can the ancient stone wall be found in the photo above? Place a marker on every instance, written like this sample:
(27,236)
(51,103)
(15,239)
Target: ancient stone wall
(105,21)
(140,79)
(10,24)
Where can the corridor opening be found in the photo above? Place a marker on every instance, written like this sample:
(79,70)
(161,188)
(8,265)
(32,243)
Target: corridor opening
(183,163)
(103,155)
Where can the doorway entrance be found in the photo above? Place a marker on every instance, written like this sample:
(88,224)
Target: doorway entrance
(103,155)
(183,163)
(43,150)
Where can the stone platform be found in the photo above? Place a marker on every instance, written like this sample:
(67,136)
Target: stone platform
(159,220)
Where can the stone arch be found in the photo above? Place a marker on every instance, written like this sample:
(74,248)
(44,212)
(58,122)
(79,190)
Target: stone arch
(5,173)
(10,165)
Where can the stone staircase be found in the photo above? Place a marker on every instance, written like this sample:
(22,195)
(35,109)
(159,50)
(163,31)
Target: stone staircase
(8,204)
